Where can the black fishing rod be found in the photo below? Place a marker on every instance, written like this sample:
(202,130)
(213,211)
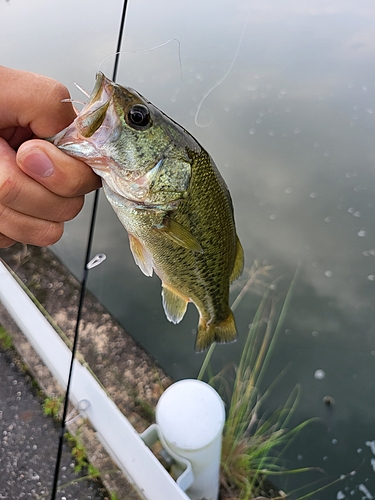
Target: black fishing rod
(84,282)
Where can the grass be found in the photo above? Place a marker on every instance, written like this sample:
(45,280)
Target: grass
(6,341)
(253,438)
(80,456)
(52,407)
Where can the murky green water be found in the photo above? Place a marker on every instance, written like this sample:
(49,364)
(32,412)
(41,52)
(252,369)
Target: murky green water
(291,127)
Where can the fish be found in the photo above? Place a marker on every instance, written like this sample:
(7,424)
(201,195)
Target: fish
(170,197)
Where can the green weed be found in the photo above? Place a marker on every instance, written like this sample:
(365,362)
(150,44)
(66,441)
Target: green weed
(52,406)
(80,456)
(253,438)
(6,341)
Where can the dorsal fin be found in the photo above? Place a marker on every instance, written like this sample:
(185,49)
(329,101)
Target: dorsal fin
(238,262)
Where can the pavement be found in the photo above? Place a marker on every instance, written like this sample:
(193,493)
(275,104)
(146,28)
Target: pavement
(29,440)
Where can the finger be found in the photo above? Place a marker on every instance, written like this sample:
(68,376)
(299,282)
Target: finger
(58,172)
(23,194)
(34,101)
(6,242)
(15,226)
(15,136)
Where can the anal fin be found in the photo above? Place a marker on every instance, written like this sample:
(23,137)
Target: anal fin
(174,304)
(141,256)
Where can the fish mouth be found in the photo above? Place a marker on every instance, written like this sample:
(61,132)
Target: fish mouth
(93,114)
(96,123)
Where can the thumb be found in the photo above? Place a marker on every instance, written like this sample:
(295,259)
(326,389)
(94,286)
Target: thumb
(58,172)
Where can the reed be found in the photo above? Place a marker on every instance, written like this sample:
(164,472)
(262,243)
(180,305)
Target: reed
(254,438)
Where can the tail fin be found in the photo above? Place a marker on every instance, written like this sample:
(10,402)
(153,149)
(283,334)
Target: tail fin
(222,332)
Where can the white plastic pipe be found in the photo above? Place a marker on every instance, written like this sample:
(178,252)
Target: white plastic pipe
(190,415)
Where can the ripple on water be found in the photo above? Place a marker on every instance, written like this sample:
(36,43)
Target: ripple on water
(319,374)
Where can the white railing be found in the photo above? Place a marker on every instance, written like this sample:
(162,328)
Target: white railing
(126,447)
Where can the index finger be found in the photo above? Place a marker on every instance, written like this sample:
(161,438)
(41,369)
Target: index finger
(32,100)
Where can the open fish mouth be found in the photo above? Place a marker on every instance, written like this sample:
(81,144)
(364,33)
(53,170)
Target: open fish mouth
(93,127)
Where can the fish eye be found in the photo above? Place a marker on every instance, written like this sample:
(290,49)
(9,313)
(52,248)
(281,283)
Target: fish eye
(139,116)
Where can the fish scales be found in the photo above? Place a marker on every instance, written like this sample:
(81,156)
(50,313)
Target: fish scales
(202,276)
(170,197)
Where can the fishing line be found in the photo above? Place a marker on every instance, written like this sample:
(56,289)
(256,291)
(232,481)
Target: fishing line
(140,51)
(97,260)
(223,78)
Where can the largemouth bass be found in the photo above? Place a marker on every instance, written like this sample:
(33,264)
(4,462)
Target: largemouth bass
(171,199)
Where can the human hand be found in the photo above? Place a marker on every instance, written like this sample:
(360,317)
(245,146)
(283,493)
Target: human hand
(40,186)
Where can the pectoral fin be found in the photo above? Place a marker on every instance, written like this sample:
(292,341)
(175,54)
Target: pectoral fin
(141,256)
(238,262)
(179,235)
(174,304)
